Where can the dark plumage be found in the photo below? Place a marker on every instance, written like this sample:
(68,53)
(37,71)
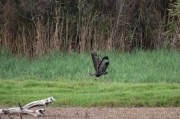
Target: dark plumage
(99,66)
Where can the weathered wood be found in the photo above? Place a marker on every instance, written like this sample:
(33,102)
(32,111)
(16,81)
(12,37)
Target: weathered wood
(26,109)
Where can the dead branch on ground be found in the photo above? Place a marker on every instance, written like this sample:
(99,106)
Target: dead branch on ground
(27,108)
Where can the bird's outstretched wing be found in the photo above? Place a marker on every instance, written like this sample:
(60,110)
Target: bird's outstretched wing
(103,64)
(96,61)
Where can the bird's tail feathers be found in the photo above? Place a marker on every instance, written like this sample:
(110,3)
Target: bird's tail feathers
(91,74)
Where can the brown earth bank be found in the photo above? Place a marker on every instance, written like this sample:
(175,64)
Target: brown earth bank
(104,113)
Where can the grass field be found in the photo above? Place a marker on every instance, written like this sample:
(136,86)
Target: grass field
(89,93)
(134,80)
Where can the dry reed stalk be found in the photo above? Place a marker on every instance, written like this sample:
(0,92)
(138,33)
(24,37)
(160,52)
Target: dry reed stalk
(56,33)
(39,45)
(24,40)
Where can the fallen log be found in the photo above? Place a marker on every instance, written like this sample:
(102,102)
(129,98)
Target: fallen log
(27,108)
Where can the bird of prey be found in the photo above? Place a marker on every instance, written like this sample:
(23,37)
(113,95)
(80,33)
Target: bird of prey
(99,66)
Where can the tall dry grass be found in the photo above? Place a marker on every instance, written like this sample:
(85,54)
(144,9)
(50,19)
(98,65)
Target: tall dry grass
(37,27)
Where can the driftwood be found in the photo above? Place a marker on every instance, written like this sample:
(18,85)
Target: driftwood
(27,108)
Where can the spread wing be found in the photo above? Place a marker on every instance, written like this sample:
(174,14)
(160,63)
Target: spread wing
(104,64)
(95,60)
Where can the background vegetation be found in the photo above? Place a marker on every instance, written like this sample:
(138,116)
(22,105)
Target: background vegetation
(36,27)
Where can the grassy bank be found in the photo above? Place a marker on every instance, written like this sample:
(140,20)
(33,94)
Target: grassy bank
(135,67)
(135,79)
(89,93)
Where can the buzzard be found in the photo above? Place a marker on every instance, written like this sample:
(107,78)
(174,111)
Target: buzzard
(99,66)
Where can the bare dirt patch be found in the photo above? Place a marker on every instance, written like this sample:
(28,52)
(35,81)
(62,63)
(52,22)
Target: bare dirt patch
(105,113)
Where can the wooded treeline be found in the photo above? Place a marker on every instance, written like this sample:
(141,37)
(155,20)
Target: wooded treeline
(33,27)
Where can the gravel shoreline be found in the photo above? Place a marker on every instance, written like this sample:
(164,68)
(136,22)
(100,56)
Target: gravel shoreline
(105,113)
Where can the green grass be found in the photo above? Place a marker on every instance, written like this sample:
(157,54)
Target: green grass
(89,93)
(135,79)
(135,67)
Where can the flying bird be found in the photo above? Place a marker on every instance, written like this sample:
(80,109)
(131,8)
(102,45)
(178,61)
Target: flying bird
(99,66)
